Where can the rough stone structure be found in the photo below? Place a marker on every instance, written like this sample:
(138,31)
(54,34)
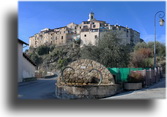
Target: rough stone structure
(85,71)
(86,79)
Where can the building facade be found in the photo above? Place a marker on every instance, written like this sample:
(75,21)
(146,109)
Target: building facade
(88,32)
(26,68)
(29,67)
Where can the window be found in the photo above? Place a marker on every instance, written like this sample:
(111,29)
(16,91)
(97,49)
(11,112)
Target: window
(95,36)
(85,26)
(86,22)
(114,28)
(94,26)
(91,17)
(84,35)
(61,37)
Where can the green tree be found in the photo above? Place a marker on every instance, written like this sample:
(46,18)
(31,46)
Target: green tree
(160,48)
(143,57)
(36,59)
(43,49)
(140,45)
(140,58)
(109,51)
(62,63)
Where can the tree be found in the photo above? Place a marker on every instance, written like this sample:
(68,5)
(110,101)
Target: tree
(43,49)
(140,45)
(160,48)
(36,59)
(142,57)
(144,53)
(109,51)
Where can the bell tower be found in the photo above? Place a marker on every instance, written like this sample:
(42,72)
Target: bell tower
(91,16)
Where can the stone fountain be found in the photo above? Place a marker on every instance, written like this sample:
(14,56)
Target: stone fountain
(85,79)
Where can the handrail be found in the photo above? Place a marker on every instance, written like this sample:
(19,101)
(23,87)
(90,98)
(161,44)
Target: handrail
(62,72)
(101,77)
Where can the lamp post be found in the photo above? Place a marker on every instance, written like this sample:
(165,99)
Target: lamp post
(161,15)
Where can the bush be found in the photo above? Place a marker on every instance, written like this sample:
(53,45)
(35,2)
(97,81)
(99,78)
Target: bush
(141,58)
(135,77)
(62,63)
(36,59)
(41,50)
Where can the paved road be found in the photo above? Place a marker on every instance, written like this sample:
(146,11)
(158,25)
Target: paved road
(44,89)
(156,91)
(39,89)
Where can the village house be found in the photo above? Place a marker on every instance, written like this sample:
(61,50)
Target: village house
(88,32)
(26,67)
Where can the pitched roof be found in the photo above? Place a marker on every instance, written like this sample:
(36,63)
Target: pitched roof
(20,41)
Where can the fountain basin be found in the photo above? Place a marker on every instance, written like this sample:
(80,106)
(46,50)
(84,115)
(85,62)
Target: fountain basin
(86,91)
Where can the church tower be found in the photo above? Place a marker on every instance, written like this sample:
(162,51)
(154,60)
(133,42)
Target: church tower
(91,16)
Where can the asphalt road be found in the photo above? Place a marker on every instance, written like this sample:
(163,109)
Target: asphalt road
(39,89)
(44,89)
(156,91)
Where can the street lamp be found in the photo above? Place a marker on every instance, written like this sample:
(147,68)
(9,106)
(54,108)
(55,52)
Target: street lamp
(161,15)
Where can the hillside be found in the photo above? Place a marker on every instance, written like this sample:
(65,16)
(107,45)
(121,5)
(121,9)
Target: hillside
(53,58)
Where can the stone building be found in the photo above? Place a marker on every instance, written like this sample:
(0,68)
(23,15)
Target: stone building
(87,32)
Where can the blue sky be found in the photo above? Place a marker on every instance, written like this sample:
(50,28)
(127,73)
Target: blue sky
(34,16)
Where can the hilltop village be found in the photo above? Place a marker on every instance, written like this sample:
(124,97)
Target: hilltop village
(88,32)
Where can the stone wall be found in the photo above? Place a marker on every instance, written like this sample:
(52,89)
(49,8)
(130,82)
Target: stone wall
(87,91)
(85,72)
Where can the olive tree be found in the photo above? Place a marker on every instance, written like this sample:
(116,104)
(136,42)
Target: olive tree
(109,51)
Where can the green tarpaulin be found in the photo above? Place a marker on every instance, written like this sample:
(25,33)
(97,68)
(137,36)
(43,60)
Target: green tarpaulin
(121,74)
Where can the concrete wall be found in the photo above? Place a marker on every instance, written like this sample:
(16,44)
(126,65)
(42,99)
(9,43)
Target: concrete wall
(28,69)
(20,58)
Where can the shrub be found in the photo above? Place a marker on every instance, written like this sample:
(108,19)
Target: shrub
(62,63)
(141,58)
(41,50)
(135,77)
